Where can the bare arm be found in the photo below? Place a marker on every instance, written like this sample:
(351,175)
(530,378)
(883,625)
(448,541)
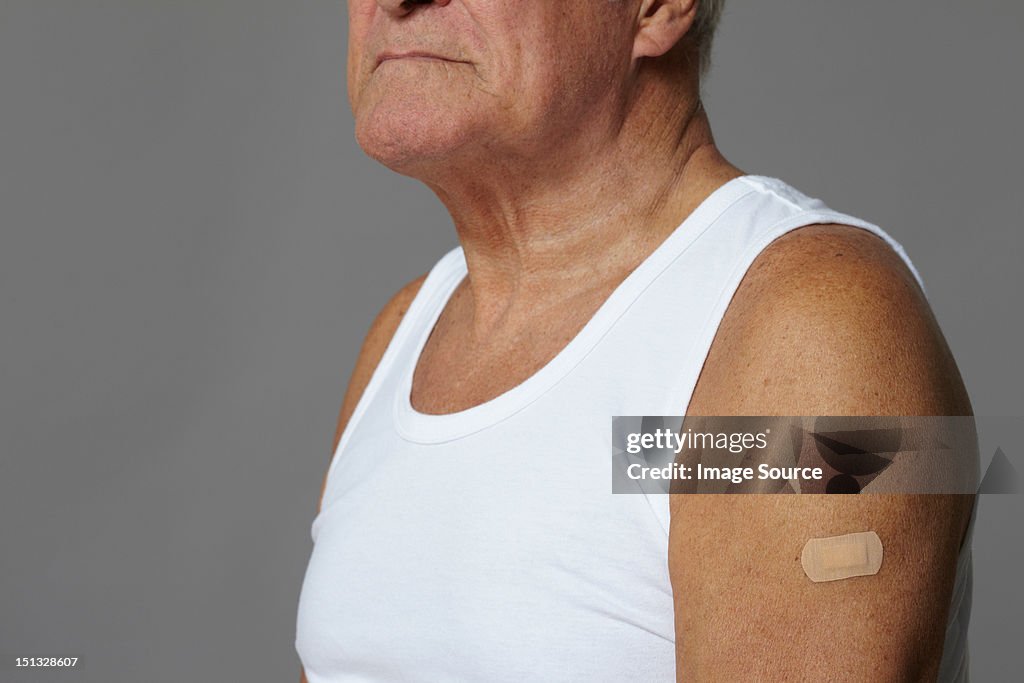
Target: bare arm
(827,322)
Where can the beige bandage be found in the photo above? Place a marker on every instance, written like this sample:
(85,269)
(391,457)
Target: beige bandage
(840,557)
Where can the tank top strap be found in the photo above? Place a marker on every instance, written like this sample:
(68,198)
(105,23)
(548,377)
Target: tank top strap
(441,279)
(721,260)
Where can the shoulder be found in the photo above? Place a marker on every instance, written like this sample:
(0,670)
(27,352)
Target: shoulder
(374,345)
(384,325)
(829,320)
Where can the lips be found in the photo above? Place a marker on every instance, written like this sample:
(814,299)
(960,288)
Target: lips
(413,54)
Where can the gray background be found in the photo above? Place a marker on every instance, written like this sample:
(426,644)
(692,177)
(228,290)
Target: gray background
(192,247)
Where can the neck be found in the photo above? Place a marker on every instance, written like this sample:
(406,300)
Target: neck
(585,212)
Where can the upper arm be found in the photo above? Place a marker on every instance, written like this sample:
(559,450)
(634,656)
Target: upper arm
(828,321)
(374,345)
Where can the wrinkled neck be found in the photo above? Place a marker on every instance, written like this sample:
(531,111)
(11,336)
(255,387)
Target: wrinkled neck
(586,210)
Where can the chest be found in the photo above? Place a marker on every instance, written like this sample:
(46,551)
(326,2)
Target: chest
(506,542)
(461,367)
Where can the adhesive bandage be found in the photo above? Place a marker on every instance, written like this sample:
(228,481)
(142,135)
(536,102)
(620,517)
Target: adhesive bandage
(842,557)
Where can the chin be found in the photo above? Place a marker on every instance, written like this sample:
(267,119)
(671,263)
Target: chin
(409,131)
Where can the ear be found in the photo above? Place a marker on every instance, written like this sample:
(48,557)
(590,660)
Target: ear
(661,24)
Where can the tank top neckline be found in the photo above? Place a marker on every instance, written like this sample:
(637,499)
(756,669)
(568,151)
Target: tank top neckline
(426,428)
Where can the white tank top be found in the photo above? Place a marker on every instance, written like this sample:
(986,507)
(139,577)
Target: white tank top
(486,545)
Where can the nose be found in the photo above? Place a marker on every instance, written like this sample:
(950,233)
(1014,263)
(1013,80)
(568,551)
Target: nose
(400,8)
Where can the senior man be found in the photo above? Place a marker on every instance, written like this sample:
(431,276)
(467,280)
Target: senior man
(610,262)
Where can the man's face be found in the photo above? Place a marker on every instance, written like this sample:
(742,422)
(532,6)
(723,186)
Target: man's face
(428,82)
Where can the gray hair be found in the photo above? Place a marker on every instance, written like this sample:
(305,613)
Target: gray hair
(703,30)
